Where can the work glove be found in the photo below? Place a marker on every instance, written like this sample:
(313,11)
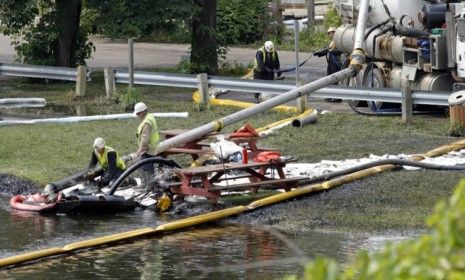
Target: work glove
(321,53)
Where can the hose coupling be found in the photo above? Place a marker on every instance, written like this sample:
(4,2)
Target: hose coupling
(357,59)
(219,124)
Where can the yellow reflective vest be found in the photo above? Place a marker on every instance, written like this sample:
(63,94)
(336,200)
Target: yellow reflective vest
(154,137)
(103,159)
(262,49)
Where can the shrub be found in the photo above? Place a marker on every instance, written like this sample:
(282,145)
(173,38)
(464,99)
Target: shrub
(128,98)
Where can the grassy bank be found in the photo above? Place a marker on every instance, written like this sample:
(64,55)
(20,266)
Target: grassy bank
(392,200)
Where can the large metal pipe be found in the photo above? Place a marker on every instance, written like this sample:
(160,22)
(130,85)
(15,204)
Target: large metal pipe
(52,188)
(387,46)
(92,118)
(358,58)
(361,25)
(217,125)
(301,121)
(22,102)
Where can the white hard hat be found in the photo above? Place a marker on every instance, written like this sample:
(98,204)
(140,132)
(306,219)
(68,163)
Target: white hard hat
(99,143)
(139,107)
(269,46)
(331,29)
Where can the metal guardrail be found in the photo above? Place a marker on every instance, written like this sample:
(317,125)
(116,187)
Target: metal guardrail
(39,71)
(439,98)
(157,79)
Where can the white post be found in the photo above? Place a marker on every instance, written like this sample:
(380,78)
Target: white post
(407,110)
(302,101)
(110,82)
(202,82)
(81,80)
(131,63)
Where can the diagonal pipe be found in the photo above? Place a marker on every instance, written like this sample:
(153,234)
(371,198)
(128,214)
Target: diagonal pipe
(357,59)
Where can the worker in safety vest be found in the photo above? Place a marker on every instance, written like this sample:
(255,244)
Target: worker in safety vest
(147,135)
(333,57)
(266,62)
(112,165)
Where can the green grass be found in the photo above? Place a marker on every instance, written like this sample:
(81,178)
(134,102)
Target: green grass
(392,200)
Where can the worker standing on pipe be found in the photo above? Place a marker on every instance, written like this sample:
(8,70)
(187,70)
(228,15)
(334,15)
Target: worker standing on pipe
(147,137)
(112,165)
(333,58)
(265,64)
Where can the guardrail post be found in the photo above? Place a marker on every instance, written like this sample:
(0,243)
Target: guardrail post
(202,82)
(81,81)
(301,101)
(131,63)
(110,82)
(407,110)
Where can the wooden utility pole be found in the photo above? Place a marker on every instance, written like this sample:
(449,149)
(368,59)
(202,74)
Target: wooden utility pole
(276,11)
(311,13)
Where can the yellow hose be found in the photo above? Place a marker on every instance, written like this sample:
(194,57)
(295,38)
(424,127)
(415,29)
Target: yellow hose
(213,216)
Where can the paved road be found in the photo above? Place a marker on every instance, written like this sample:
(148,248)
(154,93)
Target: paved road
(115,54)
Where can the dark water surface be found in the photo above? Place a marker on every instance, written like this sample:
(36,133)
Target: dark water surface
(215,252)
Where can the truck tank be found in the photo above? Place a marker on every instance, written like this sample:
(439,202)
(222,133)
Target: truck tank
(407,39)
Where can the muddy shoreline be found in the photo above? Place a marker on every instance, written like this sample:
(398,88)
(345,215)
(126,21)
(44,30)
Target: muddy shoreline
(13,185)
(390,202)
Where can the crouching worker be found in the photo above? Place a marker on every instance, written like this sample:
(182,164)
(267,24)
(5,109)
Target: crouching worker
(112,165)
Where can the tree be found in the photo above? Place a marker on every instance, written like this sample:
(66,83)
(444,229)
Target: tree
(204,56)
(46,32)
(55,32)
(67,21)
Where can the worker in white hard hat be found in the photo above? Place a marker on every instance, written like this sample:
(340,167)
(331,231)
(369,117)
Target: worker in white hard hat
(147,137)
(112,165)
(333,57)
(266,63)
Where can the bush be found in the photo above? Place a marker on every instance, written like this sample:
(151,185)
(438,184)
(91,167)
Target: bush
(128,98)
(457,130)
(234,68)
(439,255)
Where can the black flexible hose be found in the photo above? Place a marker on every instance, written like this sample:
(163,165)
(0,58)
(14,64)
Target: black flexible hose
(356,110)
(398,162)
(163,161)
(409,32)
(375,27)
(294,67)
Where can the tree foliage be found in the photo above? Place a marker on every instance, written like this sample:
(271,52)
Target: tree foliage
(136,19)
(439,255)
(44,34)
(33,27)
(242,21)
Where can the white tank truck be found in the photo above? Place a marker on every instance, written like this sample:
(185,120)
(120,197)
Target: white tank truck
(423,41)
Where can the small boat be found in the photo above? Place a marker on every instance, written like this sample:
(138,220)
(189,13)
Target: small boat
(98,203)
(33,203)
